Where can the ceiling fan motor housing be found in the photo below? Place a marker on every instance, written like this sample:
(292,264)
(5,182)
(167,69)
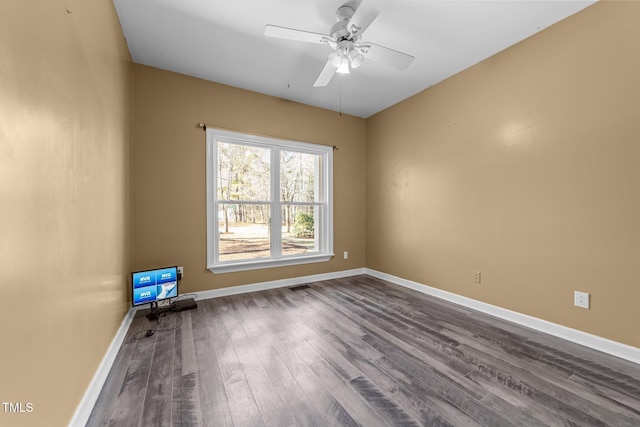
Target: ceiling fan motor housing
(344,13)
(340,31)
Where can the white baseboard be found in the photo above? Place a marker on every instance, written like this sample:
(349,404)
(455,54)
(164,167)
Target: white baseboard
(83,411)
(604,345)
(283,283)
(595,342)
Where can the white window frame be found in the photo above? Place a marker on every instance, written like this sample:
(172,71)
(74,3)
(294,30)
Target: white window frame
(324,226)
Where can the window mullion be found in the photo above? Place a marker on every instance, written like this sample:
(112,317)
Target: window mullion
(275,224)
(212,204)
(245,247)
(216,232)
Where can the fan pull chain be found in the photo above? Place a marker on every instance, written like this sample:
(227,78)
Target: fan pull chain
(340,102)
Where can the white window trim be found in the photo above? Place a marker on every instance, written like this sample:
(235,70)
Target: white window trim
(326,239)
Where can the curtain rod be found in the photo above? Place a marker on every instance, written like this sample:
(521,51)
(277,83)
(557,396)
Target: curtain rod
(203,126)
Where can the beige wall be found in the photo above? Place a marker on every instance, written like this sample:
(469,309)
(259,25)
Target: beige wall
(524,167)
(65,96)
(167,108)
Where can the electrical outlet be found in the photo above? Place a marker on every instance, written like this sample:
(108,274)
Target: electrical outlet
(477,277)
(581,299)
(180,272)
(346,254)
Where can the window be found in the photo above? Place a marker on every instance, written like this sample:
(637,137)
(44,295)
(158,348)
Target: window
(269,202)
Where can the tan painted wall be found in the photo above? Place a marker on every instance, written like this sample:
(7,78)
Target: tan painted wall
(65,97)
(167,108)
(524,167)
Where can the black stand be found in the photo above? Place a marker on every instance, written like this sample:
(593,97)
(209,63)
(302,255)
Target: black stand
(180,305)
(155,312)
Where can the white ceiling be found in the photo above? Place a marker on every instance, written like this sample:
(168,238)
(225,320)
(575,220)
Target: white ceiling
(223,41)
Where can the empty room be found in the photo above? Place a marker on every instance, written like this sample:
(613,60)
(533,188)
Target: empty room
(319,213)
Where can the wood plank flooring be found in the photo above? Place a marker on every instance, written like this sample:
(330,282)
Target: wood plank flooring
(357,352)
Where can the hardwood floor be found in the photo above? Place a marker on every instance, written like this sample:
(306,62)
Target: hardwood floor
(357,352)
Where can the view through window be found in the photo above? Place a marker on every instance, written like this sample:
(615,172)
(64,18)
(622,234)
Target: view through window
(270,202)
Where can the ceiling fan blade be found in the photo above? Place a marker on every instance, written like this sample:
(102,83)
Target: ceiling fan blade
(363,16)
(386,56)
(325,75)
(298,35)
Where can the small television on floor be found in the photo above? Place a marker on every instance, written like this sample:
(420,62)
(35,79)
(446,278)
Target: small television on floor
(151,286)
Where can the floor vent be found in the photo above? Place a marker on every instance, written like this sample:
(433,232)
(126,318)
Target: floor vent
(299,288)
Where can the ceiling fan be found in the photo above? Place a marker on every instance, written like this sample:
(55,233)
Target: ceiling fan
(345,38)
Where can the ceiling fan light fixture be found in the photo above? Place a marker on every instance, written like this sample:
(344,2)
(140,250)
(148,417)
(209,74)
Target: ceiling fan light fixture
(344,67)
(356,59)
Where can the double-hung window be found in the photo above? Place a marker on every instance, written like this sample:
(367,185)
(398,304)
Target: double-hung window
(269,202)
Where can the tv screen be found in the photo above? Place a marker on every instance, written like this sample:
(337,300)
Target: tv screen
(154,285)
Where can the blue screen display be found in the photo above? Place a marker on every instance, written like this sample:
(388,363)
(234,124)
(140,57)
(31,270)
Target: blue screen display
(154,285)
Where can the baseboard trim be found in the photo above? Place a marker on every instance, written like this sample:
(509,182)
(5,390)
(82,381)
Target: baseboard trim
(595,342)
(623,351)
(263,286)
(83,411)
(275,284)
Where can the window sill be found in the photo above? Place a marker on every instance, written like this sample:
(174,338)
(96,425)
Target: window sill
(230,267)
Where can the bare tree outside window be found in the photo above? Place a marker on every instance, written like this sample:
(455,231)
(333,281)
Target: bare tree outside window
(268,202)
(244,177)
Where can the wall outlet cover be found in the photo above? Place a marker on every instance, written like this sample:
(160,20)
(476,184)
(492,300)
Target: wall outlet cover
(581,299)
